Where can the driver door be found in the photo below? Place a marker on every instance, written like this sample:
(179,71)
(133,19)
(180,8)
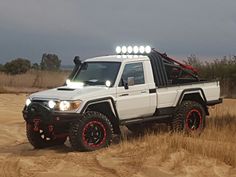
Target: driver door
(132,92)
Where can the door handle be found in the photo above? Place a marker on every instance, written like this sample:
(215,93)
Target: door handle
(144,91)
(125,94)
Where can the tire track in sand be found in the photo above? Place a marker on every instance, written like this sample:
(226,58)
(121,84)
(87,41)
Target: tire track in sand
(90,162)
(9,166)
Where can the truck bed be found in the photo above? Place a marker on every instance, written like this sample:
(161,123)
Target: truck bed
(169,96)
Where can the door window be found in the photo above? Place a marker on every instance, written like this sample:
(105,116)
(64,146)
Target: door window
(134,70)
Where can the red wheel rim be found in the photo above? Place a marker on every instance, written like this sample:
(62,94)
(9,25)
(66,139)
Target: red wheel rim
(94,134)
(194,120)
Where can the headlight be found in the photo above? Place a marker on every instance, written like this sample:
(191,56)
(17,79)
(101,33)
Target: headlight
(64,105)
(28,102)
(69,105)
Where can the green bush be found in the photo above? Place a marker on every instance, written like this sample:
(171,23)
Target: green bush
(17,66)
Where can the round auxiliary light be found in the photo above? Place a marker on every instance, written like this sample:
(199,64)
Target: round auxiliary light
(141,49)
(51,104)
(124,49)
(148,49)
(118,49)
(108,83)
(130,49)
(135,49)
(28,102)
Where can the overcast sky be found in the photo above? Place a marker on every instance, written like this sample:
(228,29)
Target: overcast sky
(29,28)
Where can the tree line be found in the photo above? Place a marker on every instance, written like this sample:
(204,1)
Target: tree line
(223,69)
(21,65)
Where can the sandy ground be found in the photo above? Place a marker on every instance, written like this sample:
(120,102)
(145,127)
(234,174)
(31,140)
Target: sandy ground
(18,158)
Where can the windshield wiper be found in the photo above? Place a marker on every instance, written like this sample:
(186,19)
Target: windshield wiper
(93,83)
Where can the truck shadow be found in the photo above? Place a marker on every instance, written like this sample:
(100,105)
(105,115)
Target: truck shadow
(126,134)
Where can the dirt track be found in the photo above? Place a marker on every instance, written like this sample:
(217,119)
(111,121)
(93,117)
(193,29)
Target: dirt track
(18,158)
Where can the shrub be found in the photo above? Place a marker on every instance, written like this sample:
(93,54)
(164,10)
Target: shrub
(17,66)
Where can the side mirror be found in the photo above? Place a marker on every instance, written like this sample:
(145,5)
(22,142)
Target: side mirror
(130,81)
(124,83)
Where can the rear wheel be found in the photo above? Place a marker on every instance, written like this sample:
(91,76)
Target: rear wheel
(190,117)
(41,138)
(94,131)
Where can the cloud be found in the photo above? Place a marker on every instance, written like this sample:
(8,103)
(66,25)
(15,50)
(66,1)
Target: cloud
(89,28)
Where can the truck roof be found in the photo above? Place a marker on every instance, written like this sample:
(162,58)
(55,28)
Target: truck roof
(117,58)
(161,64)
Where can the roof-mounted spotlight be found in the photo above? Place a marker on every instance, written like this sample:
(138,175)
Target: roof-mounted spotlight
(124,49)
(148,49)
(141,49)
(130,49)
(118,49)
(133,50)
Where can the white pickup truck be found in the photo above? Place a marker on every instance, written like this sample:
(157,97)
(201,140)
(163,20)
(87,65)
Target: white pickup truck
(137,88)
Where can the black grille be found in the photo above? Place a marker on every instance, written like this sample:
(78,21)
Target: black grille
(43,102)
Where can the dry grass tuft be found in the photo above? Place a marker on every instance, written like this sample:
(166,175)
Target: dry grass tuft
(217,142)
(33,79)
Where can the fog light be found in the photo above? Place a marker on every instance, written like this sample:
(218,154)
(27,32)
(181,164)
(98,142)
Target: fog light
(51,104)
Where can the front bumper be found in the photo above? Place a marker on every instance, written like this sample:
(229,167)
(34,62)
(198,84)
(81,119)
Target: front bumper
(38,111)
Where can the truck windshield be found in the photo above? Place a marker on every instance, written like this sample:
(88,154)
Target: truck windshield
(97,73)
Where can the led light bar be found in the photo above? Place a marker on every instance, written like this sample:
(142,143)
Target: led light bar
(133,50)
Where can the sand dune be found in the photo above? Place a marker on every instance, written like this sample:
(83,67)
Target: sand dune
(19,159)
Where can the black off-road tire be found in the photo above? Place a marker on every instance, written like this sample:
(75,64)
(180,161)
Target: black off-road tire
(38,142)
(189,118)
(93,126)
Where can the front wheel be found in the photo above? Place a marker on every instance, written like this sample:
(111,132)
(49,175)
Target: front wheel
(41,138)
(92,132)
(190,118)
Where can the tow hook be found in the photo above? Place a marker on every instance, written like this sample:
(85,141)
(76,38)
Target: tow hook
(36,124)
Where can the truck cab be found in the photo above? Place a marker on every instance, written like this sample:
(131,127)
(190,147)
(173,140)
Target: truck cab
(132,89)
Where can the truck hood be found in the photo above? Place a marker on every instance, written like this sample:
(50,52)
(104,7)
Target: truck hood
(66,93)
